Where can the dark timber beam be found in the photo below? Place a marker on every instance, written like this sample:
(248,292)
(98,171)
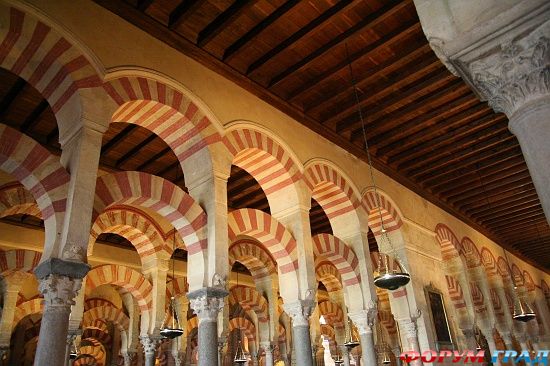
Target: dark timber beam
(183,11)
(118,138)
(11,96)
(33,118)
(154,158)
(232,50)
(143,5)
(225,18)
(133,151)
(304,31)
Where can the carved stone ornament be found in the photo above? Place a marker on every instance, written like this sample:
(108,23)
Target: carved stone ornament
(219,281)
(59,291)
(364,319)
(149,344)
(300,311)
(75,252)
(517,74)
(207,307)
(128,357)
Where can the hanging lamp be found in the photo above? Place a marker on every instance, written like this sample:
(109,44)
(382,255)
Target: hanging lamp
(240,357)
(73,353)
(351,342)
(175,330)
(338,360)
(382,346)
(386,278)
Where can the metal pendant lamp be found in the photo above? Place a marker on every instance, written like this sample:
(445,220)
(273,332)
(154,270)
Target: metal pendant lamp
(351,342)
(73,353)
(338,360)
(522,311)
(175,330)
(240,356)
(388,279)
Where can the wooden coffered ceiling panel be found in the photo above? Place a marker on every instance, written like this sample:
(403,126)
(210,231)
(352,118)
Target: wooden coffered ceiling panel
(426,129)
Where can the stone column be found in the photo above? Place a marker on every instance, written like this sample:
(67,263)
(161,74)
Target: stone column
(155,270)
(179,358)
(207,303)
(364,321)
(345,355)
(283,352)
(397,353)
(221,345)
(268,349)
(470,337)
(128,357)
(71,337)
(60,282)
(410,331)
(149,344)
(12,286)
(300,311)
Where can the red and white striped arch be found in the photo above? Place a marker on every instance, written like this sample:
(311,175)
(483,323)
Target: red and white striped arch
(497,303)
(40,54)
(264,158)
(268,232)
(99,324)
(16,200)
(134,225)
(95,302)
(164,108)
(97,352)
(528,280)
(332,191)
(478,299)
(456,294)
(489,262)
(518,276)
(328,274)
(340,254)
(470,252)
(98,334)
(106,314)
(160,195)
(254,257)
(85,360)
(448,241)
(192,323)
(387,320)
(246,326)
(40,173)
(29,307)
(332,313)
(127,278)
(21,260)
(179,286)
(381,206)
(251,300)
(503,268)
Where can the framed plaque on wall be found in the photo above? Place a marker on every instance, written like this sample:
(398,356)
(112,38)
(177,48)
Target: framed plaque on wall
(439,318)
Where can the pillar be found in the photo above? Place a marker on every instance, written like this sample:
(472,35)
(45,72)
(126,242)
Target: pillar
(397,353)
(149,344)
(221,345)
(300,311)
(283,352)
(268,350)
(12,286)
(60,282)
(179,358)
(71,337)
(470,338)
(128,357)
(345,355)
(364,321)
(207,303)
(156,270)
(410,331)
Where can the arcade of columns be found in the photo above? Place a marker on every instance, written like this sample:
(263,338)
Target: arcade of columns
(112,304)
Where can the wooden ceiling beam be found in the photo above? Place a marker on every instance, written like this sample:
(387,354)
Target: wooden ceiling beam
(117,138)
(420,76)
(520,221)
(34,116)
(450,137)
(143,5)
(418,167)
(249,197)
(433,124)
(409,51)
(515,184)
(512,235)
(166,169)
(500,200)
(133,151)
(241,187)
(312,26)
(479,175)
(12,94)
(511,181)
(467,165)
(154,158)
(233,50)
(223,20)
(419,99)
(512,214)
(183,11)
(369,21)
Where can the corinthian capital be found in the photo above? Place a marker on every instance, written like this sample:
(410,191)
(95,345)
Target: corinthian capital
(59,291)
(364,319)
(300,311)
(207,303)
(517,73)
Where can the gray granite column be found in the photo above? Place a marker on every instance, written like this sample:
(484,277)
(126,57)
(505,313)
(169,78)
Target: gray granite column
(207,303)
(364,321)
(300,311)
(60,282)
(268,349)
(71,336)
(345,355)
(149,344)
(221,345)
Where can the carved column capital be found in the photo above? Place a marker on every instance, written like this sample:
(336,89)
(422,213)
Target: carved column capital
(128,357)
(409,327)
(364,319)
(516,74)
(149,344)
(59,291)
(300,311)
(268,347)
(207,303)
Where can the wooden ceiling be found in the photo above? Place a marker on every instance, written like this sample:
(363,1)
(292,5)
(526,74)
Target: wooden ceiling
(425,128)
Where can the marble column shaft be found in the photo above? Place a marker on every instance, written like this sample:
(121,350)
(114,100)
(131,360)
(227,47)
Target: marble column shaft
(299,312)
(268,349)
(149,349)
